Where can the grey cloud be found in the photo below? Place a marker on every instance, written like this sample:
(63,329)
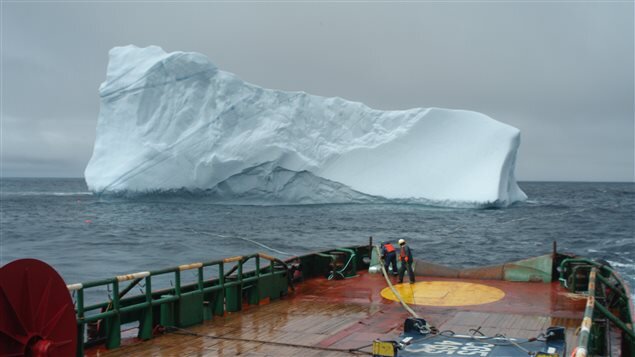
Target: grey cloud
(561,72)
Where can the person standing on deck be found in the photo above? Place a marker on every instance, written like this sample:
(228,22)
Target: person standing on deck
(405,257)
(389,255)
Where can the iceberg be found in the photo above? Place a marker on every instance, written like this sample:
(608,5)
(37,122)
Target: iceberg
(269,184)
(174,121)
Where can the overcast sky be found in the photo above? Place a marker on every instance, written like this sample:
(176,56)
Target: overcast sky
(561,72)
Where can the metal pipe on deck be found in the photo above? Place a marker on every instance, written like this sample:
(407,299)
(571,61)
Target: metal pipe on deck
(587,321)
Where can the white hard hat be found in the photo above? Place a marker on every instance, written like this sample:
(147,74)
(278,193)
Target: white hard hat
(402,241)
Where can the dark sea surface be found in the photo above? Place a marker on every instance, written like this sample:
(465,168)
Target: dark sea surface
(87,238)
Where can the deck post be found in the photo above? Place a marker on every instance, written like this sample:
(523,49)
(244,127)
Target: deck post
(145,325)
(177,283)
(254,294)
(200,278)
(219,301)
(113,340)
(80,323)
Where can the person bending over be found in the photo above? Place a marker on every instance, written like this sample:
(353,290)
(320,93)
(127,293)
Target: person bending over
(389,255)
(405,257)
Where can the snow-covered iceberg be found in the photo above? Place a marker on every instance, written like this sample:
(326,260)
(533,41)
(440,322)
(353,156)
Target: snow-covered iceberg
(174,121)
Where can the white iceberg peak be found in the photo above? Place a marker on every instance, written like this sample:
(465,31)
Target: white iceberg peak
(172,121)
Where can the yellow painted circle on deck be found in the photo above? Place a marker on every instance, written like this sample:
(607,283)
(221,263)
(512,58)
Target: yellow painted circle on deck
(445,293)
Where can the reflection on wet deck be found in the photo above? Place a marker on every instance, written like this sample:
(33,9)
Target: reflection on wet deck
(330,317)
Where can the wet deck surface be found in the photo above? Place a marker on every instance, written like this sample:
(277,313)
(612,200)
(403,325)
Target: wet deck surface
(330,317)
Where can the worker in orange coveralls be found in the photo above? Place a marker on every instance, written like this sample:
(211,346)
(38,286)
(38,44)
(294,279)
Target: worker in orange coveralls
(405,257)
(389,255)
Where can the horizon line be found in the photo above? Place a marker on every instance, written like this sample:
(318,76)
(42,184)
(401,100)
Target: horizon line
(519,181)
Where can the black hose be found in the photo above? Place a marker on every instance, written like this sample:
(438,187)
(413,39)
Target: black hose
(181,331)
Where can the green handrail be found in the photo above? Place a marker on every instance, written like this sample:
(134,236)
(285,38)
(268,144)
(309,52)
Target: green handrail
(144,303)
(587,321)
(625,324)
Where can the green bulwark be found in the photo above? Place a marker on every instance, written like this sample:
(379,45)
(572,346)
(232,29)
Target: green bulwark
(536,269)
(214,294)
(181,306)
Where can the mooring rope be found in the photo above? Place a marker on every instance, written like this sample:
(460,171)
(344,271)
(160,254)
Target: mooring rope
(245,239)
(430,329)
(394,291)
(355,351)
(434,331)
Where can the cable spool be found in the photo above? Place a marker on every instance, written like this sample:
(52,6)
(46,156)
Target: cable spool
(37,317)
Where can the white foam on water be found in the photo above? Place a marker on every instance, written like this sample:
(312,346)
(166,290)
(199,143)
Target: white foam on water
(38,193)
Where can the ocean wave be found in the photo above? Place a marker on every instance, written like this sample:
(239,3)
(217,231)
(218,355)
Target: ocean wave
(627,272)
(622,266)
(40,193)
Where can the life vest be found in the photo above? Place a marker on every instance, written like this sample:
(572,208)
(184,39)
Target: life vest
(389,247)
(402,254)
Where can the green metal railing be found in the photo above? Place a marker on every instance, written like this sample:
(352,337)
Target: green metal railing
(182,305)
(606,294)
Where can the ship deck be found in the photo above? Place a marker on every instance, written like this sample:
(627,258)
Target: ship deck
(328,317)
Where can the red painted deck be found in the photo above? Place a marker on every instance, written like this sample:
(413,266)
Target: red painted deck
(326,318)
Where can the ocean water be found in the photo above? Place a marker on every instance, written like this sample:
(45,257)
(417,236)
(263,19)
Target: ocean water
(86,238)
